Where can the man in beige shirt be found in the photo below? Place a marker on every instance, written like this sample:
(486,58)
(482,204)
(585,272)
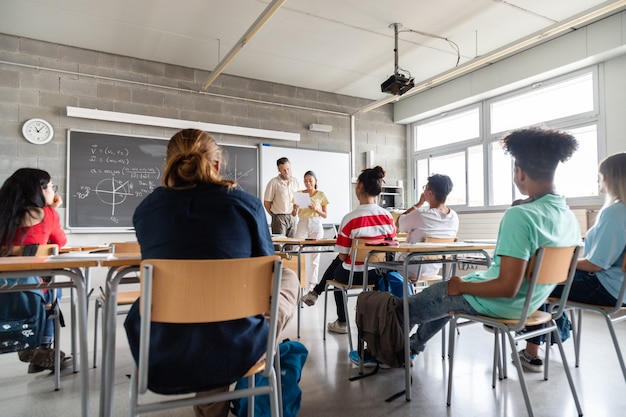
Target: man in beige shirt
(278,199)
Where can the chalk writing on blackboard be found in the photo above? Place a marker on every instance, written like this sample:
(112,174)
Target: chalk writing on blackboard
(108,176)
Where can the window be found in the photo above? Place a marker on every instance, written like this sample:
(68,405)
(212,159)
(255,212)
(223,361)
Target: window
(482,174)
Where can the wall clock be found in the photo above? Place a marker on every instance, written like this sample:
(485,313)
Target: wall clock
(37,131)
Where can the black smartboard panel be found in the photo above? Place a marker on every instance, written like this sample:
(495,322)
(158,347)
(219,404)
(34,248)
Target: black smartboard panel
(108,175)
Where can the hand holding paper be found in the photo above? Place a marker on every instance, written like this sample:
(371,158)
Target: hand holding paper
(302,199)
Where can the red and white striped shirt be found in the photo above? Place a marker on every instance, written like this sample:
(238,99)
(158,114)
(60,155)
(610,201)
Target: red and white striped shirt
(367,221)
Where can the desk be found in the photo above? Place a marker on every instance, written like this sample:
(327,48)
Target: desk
(27,266)
(415,252)
(296,246)
(120,266)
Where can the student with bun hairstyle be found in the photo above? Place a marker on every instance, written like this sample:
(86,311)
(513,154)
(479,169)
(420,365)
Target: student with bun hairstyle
(367,221)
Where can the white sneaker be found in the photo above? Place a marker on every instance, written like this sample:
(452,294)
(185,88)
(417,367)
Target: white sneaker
(529,362)
(309,298)
(337,327)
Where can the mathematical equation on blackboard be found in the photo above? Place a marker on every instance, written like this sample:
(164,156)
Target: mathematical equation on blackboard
(109,175)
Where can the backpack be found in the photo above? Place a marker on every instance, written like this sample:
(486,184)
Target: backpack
(22,317)
(293,355)
(379,325)
(393,282)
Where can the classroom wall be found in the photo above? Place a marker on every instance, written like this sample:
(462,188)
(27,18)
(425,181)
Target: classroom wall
(39,79)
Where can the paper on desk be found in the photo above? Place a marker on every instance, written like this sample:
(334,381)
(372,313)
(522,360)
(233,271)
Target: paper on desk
(302,199)
(83,255)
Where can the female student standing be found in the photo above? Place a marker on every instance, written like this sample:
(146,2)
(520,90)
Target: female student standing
(599,275)
(310,220)
(28,216)
(197,214)
(367,221)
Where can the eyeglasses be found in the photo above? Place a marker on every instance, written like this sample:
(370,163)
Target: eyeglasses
(54,187)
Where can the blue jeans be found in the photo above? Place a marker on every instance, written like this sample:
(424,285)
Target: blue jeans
(430,310)
(585,289)
(48,330)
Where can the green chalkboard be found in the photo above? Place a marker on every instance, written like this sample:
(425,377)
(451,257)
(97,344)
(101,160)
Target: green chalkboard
(108,175)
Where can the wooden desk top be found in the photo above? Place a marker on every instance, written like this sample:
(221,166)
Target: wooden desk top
(303,242)
(429,247)
(125,259)
(37,263)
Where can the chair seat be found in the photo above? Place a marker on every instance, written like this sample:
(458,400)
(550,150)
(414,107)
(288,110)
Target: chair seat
(342,285)
(534,319)
(257,368)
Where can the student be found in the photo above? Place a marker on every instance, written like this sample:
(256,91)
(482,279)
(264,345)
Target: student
(599,275)
(197,214)
(278,199)
(28,216)
(436,220)
(367,221)
(543,220)
(310,220)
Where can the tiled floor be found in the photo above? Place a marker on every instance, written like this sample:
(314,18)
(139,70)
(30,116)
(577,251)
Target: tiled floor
(327,391)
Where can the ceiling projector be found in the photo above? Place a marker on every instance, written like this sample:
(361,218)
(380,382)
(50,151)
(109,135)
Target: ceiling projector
(397,84)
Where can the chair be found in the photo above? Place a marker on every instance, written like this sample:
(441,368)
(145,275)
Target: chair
(125,298)
(355,256)
(548,266)
(47,250)
(290,261)
(612,314)
(202,291)
(426,281)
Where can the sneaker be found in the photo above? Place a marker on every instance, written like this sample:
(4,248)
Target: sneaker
(309,298)
(532,363)
(369,362)
(337,327)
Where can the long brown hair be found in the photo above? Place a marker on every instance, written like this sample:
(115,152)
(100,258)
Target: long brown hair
(190,160)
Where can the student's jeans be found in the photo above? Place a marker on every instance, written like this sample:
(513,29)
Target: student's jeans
(48,330)
(430,310)
(585,289)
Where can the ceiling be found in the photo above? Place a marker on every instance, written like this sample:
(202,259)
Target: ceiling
(340,46)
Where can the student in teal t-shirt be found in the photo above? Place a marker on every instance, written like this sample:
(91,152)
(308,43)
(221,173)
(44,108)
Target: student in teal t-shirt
(541,220)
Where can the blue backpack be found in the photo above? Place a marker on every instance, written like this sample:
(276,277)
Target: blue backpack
(293,355)
(393,282)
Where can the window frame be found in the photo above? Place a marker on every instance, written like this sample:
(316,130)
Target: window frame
(486,139)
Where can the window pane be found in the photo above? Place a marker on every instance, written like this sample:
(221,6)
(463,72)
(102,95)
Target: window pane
(556,101)
(446,130)
(501,175)
(452,165)
(422,177)
(475,177)
(578,177)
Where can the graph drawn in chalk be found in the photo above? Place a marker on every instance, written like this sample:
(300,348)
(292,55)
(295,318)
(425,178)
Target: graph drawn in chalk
(113,192)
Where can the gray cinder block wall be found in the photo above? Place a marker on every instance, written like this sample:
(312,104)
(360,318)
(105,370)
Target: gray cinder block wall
(39,79)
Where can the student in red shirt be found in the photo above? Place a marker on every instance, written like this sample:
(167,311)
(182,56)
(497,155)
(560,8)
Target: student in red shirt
(28,203)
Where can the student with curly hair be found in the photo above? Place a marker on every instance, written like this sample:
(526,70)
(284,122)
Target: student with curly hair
(544,219)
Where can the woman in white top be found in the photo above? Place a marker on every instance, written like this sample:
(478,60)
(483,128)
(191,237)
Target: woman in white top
(436,220)
(310,221)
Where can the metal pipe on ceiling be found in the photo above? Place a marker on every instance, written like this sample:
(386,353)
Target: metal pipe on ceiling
(243,41)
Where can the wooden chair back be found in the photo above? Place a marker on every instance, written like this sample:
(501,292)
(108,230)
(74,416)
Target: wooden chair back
(124,247)
(554,266)
(208,290)
(42,250)
(431,239)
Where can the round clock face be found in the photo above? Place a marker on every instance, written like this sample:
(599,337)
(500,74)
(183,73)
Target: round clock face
(37,131)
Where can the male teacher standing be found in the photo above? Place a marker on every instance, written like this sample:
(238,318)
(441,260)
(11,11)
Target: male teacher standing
(278,199)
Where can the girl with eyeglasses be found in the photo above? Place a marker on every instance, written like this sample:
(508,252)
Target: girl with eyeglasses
(28,216)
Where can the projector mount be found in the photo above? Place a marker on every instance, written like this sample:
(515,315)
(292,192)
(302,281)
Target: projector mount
(398,83)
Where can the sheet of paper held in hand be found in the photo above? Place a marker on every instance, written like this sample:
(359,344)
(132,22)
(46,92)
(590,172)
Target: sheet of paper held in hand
(303,200)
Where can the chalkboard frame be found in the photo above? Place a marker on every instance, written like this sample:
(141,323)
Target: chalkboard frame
(76,200)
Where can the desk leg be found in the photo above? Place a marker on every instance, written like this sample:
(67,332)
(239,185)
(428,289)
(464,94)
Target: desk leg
(108,346)
(407,329)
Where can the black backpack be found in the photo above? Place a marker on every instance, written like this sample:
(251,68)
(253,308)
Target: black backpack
(22,314)
(379,325)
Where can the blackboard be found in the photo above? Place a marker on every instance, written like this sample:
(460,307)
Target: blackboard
(331,168)
(108,175)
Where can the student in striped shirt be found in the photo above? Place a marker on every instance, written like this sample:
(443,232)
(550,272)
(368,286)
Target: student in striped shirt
(367,221)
